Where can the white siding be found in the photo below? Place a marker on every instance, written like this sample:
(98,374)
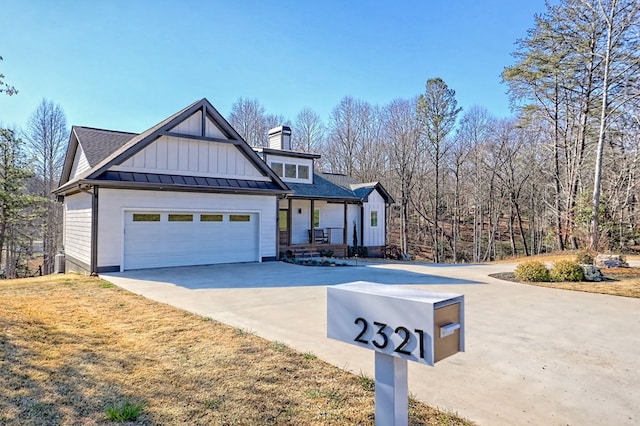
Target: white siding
(353,216)
(300,221)
(173,155)
(80,163)
(331,216)
(374,236)
(212,131)
(190,126)
(114,202)
(77,226)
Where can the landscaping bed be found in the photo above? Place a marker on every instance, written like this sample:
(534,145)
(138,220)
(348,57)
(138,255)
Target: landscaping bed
(618,282)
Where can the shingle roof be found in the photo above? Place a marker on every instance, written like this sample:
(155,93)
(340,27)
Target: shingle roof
(360,190)
(98,144)
(339,179)
(321,188)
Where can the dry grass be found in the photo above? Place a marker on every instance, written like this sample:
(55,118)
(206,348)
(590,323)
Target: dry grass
(72,346)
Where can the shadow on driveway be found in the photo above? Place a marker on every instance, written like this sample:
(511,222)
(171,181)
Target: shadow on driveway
(279,274)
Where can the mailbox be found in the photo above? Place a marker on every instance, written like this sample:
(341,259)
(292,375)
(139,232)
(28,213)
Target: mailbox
(412,324)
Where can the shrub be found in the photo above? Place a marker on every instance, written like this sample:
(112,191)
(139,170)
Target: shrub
(585,257)
(532,270)
(566,270)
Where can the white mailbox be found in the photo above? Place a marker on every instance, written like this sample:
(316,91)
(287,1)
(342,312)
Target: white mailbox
(411,324)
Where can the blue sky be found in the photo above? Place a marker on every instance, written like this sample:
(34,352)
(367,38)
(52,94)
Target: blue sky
(128,64)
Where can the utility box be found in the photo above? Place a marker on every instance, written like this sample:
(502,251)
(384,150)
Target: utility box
(411,324)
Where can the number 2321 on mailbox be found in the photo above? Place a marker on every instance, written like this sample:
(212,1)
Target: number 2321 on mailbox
(412,324)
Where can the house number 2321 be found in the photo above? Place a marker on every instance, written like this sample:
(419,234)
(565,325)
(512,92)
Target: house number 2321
(383,333)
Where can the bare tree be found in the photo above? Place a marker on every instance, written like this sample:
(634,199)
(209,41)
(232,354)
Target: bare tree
(343,140)
(249,118)
(308,132)
(46,135)
(405,152)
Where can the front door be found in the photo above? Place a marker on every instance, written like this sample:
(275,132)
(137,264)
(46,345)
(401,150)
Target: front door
(283,227)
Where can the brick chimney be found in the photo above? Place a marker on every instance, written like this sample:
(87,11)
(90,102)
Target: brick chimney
(280,138)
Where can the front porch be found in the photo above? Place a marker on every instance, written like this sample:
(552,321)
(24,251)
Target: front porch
(313,228)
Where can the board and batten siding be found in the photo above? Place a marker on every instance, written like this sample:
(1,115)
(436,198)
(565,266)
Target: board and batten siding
(175,155)
(77,226)
(80,163)
(113,204)
(193,126)
(353,216)
(374,236)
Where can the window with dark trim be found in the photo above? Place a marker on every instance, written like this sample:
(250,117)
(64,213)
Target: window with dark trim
(277,167)
(173,217)
(146,217)
(210,218)
(239,218)
(290,171)
(374,218)
(303,172)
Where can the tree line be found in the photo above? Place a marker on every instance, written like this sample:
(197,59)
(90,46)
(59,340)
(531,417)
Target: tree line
(560,174)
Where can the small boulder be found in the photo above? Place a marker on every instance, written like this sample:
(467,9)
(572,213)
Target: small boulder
(592,273)
(611,261)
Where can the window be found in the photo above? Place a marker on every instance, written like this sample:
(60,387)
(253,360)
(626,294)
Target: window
(374,218)
(303,172)
(277,167)
(239,218)
(210,218)
(316,218)
(290,170)
(180,218)
(146,217)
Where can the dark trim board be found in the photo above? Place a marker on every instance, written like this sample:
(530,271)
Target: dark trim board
(269,258)
(105,269)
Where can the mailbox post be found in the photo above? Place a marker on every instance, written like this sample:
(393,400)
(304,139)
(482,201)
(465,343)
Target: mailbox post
(400,324)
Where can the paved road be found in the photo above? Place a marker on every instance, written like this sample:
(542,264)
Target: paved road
(534,355)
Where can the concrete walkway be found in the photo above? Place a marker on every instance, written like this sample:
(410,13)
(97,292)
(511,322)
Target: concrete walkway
(534,355)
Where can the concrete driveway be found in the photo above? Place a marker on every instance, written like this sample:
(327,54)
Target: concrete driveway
(534,355)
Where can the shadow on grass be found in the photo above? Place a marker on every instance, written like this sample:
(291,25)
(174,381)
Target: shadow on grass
(47,375)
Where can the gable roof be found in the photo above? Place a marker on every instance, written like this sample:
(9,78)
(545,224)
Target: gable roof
(360,190)
(104,148)
(97,144)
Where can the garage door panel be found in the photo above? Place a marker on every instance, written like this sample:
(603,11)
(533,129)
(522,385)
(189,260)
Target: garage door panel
(165,243)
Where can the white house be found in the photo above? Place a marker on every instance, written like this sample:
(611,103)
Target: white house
(190,191)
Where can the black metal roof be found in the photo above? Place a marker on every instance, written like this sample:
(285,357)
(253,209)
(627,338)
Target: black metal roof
(193,181)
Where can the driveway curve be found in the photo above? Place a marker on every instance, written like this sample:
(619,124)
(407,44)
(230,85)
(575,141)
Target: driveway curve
(534,355)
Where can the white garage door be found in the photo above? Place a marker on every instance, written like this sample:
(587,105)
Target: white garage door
(160,239)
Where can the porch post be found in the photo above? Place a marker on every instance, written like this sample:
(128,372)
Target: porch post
(344,225)
(312,235)
(289,221)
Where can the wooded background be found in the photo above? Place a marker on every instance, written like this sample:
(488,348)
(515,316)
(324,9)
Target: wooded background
(469,187)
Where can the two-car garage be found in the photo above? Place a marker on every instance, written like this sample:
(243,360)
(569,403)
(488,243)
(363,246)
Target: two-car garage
(155,239)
